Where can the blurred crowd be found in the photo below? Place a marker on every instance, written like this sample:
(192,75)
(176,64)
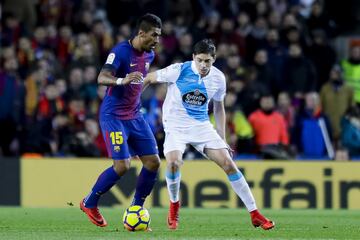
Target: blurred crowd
(288,93)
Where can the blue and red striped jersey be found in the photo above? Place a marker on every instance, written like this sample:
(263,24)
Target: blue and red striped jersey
(123,102)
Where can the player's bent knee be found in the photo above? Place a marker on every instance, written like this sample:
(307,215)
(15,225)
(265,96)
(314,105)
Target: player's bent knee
(174,165)
(155,163)
(151,162)
(229,166)
(121,167)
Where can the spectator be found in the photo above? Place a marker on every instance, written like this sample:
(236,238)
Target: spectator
(198,29)
(319,20)
(262,8)
(239,131)
(265,74)
(269,126)
(213,22)
(336,93)
(227,34)
(289,21)
(25,56)
(39,42)
(184,51)
(244,25)
(11,105)
(350,134)
(256,38)
(61,86)
(77,113)
(76,84)
(274,20)
(81,146)
(40,136)
(287,110)
(65,45)
(279,6)
(94,105)
(94,136)
(222,54)
(233,64)
(62,135)
(50,104)
(90,83)
(168,41)
(124,32)
(83,22)
(34,84)
(277,54)
(351,68)
(299,75)
(249,96)
(322,55)
(313,132)
(101,39)
(12,30)
(84,53)
(293,35)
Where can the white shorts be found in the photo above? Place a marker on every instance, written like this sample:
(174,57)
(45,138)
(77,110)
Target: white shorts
(200,137)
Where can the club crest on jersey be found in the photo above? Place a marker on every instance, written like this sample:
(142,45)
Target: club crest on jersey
(116,148)
(195,98)
(110,58)
(147,66)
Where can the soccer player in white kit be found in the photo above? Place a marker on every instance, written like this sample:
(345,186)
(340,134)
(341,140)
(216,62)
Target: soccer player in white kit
(191,86)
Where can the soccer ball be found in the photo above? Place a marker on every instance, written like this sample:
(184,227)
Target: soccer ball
(136,218)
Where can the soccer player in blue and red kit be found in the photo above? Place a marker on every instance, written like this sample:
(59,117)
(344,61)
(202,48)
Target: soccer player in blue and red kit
(124,129)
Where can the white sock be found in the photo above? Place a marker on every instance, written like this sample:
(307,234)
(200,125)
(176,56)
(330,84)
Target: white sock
(173,185)
(242,189)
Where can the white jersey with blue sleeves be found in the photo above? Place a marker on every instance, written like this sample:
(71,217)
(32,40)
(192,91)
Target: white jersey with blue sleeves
(188,94)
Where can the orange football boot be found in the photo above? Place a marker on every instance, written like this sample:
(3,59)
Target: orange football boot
(173,215)
(94,215)
(258,220)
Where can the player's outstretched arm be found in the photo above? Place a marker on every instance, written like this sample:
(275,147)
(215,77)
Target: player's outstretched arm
(150,78)
(106,78)
(169,74)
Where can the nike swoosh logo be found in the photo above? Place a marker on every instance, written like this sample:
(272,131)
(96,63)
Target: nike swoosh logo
(133,64)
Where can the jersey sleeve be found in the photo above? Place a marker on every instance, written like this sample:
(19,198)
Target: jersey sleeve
(169,74)
(113,60)
(220,93)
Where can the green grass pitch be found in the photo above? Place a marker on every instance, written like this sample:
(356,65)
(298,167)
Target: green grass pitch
(71,223)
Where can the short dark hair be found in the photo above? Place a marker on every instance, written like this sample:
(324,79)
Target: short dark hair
(205,46)
(148,21)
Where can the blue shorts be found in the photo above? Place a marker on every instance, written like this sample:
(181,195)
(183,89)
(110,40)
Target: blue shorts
(125,138)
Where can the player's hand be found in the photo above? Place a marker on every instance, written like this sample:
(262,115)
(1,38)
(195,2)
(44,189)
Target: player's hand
(133,78)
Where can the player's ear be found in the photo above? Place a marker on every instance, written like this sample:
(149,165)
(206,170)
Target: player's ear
(194,57)
(141,33)
(214,58)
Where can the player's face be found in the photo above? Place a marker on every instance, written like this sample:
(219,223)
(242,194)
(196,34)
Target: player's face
(150,39)
(203,63)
